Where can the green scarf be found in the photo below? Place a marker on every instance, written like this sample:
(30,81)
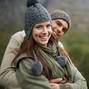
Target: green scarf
(49,54)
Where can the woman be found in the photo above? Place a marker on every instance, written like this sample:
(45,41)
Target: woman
(38,32)
(41,15)
(39,63)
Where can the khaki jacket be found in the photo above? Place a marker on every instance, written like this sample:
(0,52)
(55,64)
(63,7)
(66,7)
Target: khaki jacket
(7,72)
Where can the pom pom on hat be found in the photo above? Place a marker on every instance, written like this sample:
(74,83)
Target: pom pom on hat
(42,2)
(37,68)
(31,2)
(61,61)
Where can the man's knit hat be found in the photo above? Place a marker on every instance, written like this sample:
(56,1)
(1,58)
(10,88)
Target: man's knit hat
(35,14)
(59,14)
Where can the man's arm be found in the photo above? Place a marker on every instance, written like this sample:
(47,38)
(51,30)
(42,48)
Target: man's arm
(7,73)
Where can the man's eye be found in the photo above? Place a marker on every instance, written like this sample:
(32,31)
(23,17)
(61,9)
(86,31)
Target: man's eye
(59,23)
(64,29)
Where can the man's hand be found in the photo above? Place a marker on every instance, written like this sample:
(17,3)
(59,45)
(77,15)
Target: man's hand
(57,80)
(55,86)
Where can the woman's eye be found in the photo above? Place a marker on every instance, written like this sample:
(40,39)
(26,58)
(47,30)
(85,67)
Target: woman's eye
(38,27)
(49,25)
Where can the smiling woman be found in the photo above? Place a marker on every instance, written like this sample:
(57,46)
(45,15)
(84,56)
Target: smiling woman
(38,32)
(42,33)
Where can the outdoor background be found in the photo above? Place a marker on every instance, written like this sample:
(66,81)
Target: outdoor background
(75,41)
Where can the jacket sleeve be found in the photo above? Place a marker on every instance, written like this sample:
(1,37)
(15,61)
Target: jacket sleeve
(27,80)
(12,49)
(8,79)
(77,80)
(7,72)
(10,53)
(60,44)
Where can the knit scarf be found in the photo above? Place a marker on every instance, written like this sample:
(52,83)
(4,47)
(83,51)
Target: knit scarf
(49,53)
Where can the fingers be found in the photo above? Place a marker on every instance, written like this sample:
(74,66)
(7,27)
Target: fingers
(57,80)
(54,34)
(54,86)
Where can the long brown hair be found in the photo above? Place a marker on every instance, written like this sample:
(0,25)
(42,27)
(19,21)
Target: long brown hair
(28,46)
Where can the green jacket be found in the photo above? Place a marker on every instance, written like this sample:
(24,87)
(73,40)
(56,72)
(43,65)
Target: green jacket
(29,81)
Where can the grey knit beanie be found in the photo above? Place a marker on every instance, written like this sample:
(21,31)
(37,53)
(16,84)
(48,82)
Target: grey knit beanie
(35,14)
(60,14)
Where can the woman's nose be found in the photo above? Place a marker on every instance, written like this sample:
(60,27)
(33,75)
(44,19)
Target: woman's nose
(45,31)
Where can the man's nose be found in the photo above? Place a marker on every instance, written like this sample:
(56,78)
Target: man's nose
(59,30)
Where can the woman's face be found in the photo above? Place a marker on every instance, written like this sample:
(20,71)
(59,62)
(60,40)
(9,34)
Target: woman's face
(42,32)
(59,27)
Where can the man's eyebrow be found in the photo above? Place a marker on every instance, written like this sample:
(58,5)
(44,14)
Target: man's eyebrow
(58,22)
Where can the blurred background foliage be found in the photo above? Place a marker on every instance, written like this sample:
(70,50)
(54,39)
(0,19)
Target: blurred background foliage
(76,40)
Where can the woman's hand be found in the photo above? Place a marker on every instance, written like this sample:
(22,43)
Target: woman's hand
(55,86)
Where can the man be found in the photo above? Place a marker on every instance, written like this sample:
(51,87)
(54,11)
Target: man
(61,23)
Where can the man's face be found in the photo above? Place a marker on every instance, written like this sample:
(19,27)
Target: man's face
(59,27)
